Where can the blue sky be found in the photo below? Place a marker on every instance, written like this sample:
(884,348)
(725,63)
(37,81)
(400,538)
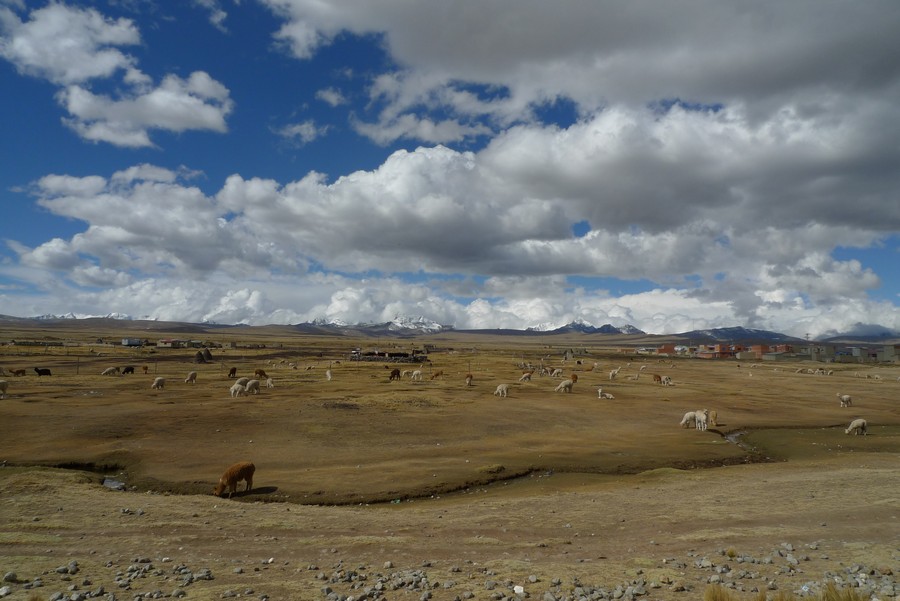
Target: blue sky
(686,165)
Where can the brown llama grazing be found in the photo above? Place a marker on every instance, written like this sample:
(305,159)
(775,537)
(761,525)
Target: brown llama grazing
(657,379)
(438,374)
(232,373)
(145,368)
(239,471)
(395,374)
(261,374)
(18,372)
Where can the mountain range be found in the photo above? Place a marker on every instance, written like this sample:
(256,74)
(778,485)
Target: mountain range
(407,327)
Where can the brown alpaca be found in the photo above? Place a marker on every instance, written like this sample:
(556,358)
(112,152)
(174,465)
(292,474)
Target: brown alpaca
(232,373)
(438,374)
(234,474)
(261,373)
(574,378)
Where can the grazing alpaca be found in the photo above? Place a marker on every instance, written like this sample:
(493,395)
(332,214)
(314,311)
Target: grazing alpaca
(260,374)
(857,427)
(232,373)
(565,386)
(42,371)
(128,369)
(468,379)
(395,375)
(234,474)
(191,378)
(438,374)
(502,390)
(158,384)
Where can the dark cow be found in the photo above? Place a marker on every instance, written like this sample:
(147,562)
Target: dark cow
(42,371)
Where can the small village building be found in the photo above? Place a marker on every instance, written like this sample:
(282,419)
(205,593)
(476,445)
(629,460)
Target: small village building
(889,353)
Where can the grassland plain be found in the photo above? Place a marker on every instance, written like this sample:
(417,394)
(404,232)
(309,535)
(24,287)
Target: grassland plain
(435,475)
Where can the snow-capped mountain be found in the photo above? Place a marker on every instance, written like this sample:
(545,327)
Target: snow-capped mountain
(120,316)
(401,324)
(581,326)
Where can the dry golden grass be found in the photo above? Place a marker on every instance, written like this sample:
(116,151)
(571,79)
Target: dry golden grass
(348,439)
(542,483)
(716,592)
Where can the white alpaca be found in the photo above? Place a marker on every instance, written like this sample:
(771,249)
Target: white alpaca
(252,386)
(110,371)
(191,378)
(667,381)
(689,420)
(327,375)
(846,401)
(236,390)
(614,373)
(271,383)
(242,381)
(416,375)
(603,395)
(158,384)
(858,426)
(565,386)
(556,373)
(701,417)
(526,377)
(502,390)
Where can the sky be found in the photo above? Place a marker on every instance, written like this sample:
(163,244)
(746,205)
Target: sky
(677,165)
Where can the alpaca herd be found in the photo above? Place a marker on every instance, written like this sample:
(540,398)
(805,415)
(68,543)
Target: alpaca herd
(698,419)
